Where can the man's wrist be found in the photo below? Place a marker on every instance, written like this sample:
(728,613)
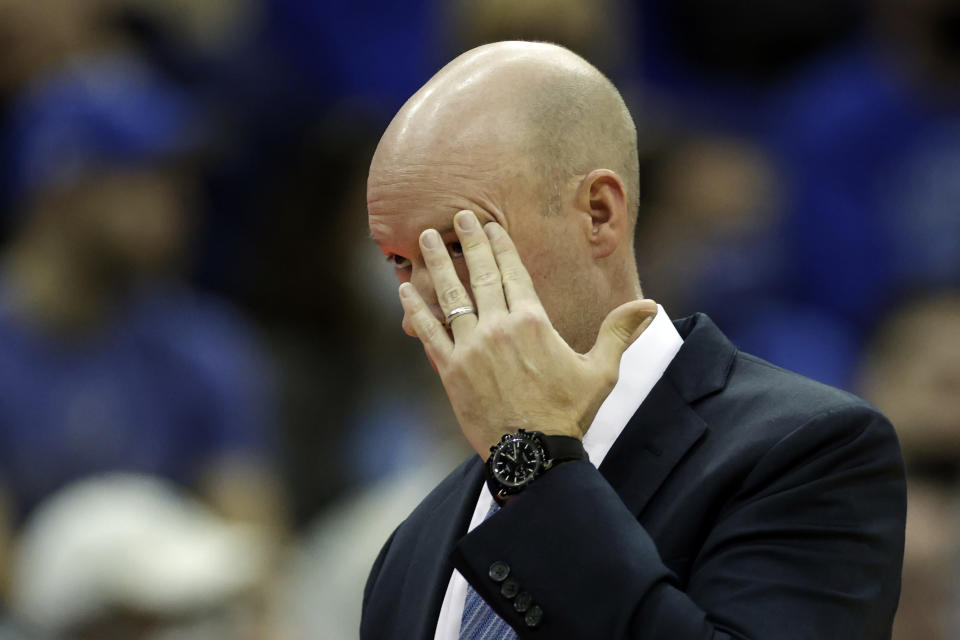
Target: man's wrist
(518,459)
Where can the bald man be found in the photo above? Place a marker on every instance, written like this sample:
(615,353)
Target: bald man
(635,477)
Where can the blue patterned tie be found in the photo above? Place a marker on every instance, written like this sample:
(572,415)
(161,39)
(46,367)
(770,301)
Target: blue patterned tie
(479,621)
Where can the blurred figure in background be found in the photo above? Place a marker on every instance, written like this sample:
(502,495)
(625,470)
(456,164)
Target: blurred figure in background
(717,63)
(110,364)
(709,201)
(709,231)
(594,29)
(39,35)
(130,557)
(912,372)
(351,382)
(868,140)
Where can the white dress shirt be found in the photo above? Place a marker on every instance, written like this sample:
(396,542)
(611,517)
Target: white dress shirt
(641,366)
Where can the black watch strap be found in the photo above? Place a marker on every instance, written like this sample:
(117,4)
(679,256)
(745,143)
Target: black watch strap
(562,448)
(552,451)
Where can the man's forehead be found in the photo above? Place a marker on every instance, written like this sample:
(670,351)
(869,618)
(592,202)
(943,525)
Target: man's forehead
(385,229)
(442,160)
(412,188)
(398,211)
(406,184)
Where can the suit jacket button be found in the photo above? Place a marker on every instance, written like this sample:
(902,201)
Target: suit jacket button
(534,616)
(523,602)
(509,588)
(499,571)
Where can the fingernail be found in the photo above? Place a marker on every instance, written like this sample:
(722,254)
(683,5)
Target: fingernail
(649,305)
(406,290)
(430,238)
(493,229)
(466,220)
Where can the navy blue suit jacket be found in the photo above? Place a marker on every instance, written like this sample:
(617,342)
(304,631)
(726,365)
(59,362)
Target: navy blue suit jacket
(741,501)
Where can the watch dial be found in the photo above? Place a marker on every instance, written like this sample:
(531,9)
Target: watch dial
(516,462)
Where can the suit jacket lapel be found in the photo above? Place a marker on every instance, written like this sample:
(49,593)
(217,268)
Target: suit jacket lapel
(665,426)
(431,567)
(654,441)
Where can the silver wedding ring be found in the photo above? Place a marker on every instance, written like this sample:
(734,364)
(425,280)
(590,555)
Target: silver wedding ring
(456,313)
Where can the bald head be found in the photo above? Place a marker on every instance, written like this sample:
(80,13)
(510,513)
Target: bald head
(532,136)
(534,102)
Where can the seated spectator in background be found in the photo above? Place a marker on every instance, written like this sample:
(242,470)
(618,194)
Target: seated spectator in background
(709,239)
(912,373)
(709,201)
(39,35)
(108,363)
(129,557)
(595,29)
(324,578)
(869,144)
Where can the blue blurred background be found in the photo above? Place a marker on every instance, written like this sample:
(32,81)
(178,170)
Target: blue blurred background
(197,333)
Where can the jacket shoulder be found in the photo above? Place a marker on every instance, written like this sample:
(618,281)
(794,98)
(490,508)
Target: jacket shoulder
(779,401)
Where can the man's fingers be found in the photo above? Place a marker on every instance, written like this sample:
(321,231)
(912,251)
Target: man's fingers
(451,294)
(407,327)
(619,329)
(517,285)
(419,321)
(484,273)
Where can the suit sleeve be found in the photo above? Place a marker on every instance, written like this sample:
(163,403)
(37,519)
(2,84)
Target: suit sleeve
(810,546)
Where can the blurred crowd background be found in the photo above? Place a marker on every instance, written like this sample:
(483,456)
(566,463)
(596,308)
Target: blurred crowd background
(210,419)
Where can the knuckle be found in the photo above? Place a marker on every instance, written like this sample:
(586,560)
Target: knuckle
(513,273)
(452,295)
(455,371)
(485,279)
(621,334)
(526,317)
(428,330)
(498,333)
(408,327)
(471,351)
(490,333)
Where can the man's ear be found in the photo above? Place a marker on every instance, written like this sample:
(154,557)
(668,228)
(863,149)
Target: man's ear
(602,197)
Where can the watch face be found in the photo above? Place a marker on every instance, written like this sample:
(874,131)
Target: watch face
(516,461)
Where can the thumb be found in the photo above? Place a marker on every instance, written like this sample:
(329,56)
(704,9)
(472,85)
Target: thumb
(620,328)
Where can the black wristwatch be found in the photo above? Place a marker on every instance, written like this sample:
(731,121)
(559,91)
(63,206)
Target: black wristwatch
(520,457)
